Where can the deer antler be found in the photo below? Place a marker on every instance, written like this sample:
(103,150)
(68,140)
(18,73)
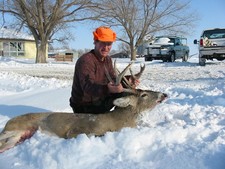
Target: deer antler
(120,77)
(138,75)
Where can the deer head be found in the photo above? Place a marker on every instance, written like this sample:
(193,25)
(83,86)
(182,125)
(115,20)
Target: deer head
(136,99)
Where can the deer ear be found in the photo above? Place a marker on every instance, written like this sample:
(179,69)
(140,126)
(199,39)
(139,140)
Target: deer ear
(123,102)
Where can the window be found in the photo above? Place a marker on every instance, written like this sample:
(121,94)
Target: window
(183,41)
(13,49)
(214,34)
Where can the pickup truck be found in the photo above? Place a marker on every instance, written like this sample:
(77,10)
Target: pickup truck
(168,49)
(211,45)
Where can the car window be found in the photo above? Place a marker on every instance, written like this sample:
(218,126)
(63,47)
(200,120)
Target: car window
(214,34)
(164,40)
(178,42)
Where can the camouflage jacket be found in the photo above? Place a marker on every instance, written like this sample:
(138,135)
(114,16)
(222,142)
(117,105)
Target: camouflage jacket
(90,81)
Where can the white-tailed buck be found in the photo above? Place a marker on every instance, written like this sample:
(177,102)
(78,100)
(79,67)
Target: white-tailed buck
(69,125)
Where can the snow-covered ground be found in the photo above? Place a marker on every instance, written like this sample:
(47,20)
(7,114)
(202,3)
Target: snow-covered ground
(186,131)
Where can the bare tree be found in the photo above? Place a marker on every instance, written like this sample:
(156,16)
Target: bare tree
(137,19)
(44,18)
(124,47)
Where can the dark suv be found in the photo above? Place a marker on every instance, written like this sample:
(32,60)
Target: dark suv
(168,48)
(211,45)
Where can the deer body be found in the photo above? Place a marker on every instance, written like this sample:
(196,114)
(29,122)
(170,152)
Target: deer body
(69,125)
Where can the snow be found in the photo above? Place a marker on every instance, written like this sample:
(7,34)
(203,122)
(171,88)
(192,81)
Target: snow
(186,131)
(6,33)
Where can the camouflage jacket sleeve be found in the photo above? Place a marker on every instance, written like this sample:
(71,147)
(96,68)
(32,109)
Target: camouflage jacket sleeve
(90,72)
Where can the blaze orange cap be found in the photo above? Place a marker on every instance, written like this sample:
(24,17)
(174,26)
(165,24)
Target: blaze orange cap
(104,34)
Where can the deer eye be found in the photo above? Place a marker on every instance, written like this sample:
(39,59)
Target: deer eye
(144,95)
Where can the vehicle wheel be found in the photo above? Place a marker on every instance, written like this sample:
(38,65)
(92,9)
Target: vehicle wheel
(148,59)
(172,57)
(185,58)
(220,59)
(164,59)
(202,61)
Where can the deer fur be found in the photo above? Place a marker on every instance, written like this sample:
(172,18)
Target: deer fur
(69,125)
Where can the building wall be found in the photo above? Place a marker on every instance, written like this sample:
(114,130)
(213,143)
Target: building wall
(17,48)
(1,48)
(30,49)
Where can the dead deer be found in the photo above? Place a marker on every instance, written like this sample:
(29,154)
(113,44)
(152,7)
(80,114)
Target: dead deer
(69,125)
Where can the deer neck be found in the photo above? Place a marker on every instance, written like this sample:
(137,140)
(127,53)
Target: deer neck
(123,117)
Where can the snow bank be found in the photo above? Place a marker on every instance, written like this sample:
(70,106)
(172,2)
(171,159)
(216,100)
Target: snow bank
(186,131)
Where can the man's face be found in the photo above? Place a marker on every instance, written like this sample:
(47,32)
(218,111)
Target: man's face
(102,49)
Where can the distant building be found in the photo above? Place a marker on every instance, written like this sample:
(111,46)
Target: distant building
(54,53)
(16,44)
(63,54)
(120,55)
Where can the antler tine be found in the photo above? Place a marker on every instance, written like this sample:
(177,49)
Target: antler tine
(115,68)
(138,75)
(107,75)
(127,83)
(121,74)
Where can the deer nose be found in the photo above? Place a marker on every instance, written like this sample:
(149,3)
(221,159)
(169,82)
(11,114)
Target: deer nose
(165,95)
(161,97)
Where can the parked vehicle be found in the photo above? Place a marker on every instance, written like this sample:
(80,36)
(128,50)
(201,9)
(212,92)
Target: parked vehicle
(211,45)
(168,48)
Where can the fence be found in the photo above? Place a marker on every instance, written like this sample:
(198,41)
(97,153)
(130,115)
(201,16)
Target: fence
(64,58)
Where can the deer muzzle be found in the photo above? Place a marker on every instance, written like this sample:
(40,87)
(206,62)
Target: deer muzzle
(161,97)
